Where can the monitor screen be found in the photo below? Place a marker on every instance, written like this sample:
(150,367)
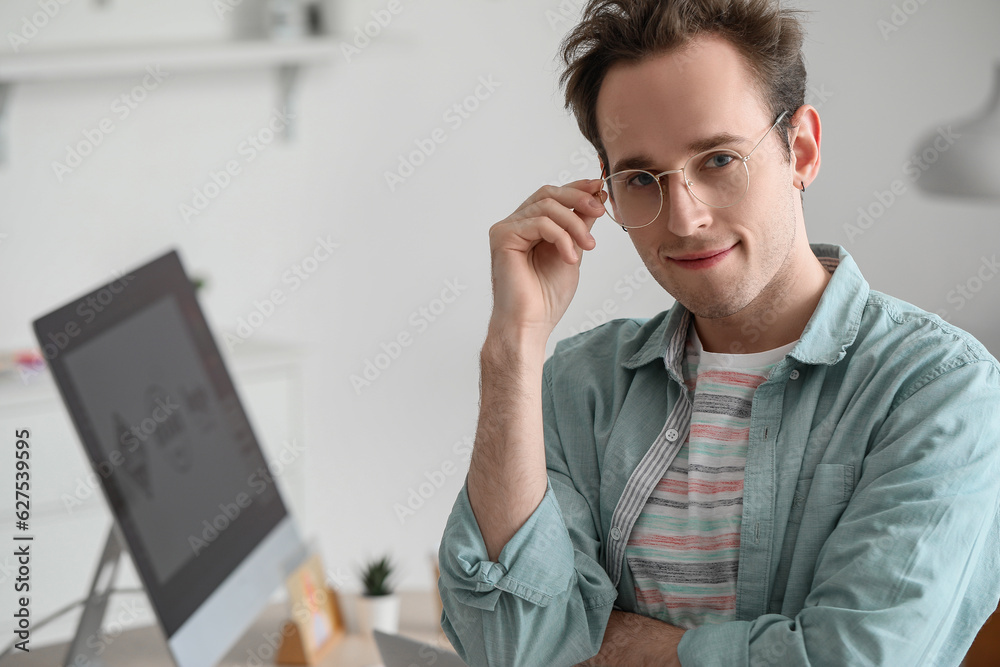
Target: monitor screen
(164,429)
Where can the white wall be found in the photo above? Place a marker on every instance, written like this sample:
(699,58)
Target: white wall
(398,248)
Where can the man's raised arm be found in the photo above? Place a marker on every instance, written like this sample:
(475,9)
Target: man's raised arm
(535,257)
(518,587)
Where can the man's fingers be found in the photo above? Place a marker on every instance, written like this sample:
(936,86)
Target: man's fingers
(549,231)
(590,205)
(570,195)
(560,215)
(591,208)
(531,231)
(576,222)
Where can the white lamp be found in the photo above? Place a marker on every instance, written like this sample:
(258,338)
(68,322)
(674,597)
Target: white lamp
(965,161)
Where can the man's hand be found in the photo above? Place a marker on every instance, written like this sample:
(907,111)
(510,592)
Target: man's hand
(633,640)
(536,253)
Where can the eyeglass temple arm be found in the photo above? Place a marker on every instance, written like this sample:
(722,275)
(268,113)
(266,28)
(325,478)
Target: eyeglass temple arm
(783,114)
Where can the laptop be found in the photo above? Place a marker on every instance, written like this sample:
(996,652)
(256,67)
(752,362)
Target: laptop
(399,651)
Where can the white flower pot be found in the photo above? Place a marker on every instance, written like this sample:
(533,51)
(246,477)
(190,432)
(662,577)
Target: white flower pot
(378,612)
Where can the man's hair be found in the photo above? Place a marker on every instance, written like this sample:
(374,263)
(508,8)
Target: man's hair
(768,36)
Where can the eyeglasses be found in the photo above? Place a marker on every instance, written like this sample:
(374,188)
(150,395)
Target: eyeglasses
(718,178)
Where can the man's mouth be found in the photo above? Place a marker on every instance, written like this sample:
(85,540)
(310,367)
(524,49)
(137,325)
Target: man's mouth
(703,259)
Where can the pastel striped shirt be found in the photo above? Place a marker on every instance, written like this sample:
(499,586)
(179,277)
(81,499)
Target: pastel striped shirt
(684,547)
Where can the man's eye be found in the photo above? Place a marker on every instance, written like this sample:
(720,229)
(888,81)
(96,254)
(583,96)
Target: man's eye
(641,179)
(718,160)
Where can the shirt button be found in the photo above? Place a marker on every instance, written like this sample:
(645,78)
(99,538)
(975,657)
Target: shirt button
(671,434)
(615,533)
(794,375)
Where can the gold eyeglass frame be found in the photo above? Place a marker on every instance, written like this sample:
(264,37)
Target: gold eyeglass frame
(687,181)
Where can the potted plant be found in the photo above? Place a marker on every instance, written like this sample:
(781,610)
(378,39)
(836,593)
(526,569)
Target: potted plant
(378,607)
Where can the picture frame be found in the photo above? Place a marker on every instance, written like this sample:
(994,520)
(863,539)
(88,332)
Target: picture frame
(316,623)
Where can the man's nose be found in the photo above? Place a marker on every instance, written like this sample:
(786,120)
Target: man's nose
(682,213)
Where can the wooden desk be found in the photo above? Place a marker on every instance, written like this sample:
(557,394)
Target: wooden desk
(146,646)
(985,650)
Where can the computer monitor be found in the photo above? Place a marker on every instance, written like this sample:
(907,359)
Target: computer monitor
(180,467)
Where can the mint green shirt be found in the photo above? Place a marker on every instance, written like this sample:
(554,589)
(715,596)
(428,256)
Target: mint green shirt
(870,531)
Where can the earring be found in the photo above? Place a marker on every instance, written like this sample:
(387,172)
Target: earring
(803,185)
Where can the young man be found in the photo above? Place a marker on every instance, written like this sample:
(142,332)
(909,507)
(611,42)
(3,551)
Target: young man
(786,467)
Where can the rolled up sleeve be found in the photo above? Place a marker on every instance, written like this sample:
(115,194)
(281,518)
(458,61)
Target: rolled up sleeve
(546,600)
(912,569)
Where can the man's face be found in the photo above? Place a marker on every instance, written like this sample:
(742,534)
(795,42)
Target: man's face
(664,105)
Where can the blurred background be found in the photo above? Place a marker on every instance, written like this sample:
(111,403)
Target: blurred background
(352,165)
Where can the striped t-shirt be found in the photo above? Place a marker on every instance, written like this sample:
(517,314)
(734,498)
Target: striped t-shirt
(683,550)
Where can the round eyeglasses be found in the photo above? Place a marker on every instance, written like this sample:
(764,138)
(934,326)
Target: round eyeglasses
(718,178)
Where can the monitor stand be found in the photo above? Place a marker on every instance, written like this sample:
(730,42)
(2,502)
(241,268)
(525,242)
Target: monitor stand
(83,651)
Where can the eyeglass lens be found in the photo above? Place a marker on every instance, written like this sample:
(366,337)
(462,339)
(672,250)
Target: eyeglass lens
(717,178)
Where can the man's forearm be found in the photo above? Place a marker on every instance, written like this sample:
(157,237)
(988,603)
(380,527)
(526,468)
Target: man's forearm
(507,474)
(633,640)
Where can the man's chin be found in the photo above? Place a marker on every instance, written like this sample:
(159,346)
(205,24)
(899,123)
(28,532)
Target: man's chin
(717,309)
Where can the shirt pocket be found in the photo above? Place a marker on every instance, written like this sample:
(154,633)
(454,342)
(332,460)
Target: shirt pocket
(817,505)
(831,485)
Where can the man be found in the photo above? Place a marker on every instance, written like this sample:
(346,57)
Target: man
(786,467)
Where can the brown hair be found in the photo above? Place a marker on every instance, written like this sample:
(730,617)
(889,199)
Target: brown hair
(768,37)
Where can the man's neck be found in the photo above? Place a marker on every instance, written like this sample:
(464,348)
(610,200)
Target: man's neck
(773,319)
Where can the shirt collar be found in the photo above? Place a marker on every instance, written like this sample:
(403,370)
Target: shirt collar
(828,334)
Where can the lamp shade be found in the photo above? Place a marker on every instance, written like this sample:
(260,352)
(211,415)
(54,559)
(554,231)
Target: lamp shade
(962,159)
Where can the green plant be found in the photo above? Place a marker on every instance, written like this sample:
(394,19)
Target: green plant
(375,577)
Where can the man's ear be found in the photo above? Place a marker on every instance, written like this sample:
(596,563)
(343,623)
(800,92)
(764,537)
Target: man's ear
(805,145)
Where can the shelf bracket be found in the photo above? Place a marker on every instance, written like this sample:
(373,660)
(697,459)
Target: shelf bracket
(5,88)
(288,77)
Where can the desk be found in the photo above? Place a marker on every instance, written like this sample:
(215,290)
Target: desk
(146,646)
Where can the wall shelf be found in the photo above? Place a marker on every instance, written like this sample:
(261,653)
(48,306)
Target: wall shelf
(287,56)
(195,56)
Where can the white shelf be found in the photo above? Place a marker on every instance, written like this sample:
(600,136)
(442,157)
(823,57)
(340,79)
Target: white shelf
(196,56)
(287,56)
